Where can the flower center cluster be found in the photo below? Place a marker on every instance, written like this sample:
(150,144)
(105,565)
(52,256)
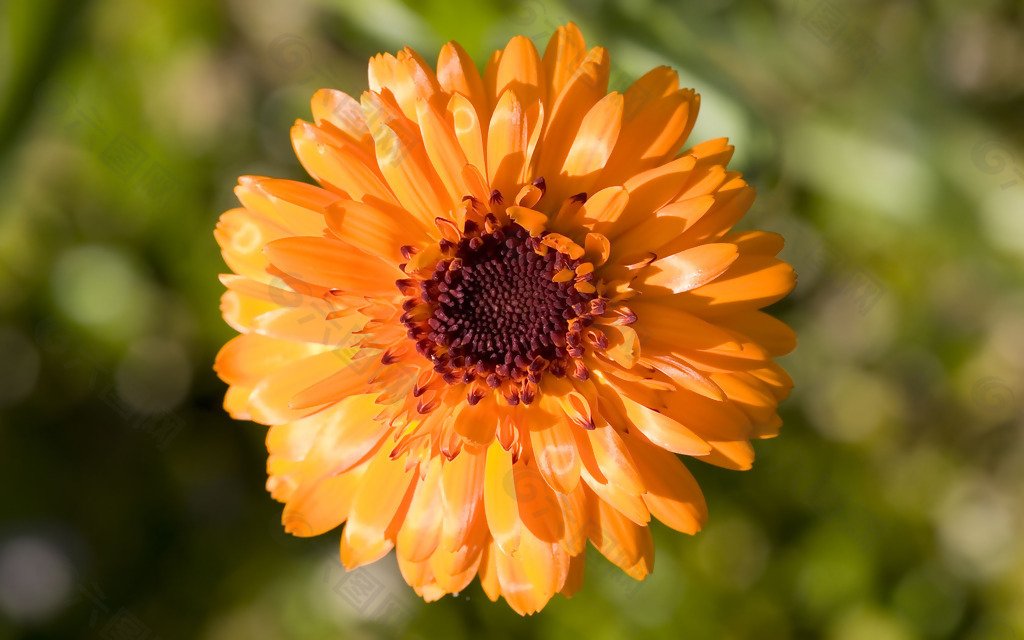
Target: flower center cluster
(496,308)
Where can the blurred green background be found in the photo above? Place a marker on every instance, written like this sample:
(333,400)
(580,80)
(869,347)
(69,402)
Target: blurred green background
(886,142)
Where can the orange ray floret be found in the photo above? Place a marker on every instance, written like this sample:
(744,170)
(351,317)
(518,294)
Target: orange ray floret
(509,304)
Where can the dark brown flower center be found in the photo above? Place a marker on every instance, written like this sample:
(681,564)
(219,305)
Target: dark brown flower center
(503,303)
(496,308)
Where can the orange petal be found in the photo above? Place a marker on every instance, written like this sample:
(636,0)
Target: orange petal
(457,74)
(673,495)
(420,531)
(347,437)
(241,311)
(403,160)
(406,76)
(655,231)
(672,328)
(500,503)
(584,88)
(331,264)
(664,431)
(454,570)
(619,539)
(546,566)
(516,587)
(691,268)
(378,500)
(655,134)
(650,87)
(350,378)
(462,481)
(271,398)
(520,69)
(751,283)
(380,230)
(623,345)
(242,236)
(628,505)
(574,578)
(248,358)
(591,148)
(466,123)
(443,149)
(576,512)
(604,206)
(489,571)
(343,170)
(554,451)
(294,206)
(612,456)
(306,324)
(340,110)
(509,137)
(731,203)
(539,510)
(564,54)
(478,423)
(320,505)
(771,333)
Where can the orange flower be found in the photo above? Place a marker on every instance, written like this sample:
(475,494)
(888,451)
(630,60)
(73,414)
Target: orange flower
(483,339)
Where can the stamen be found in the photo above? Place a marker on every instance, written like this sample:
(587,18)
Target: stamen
(496,311)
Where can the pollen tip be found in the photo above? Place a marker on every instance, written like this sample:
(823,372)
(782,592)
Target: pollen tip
(579,197)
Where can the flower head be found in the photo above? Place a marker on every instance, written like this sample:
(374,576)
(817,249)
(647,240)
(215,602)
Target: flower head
(511,301)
